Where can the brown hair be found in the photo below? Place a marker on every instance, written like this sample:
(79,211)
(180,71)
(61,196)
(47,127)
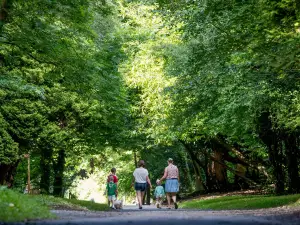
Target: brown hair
(113,170)
(141,163)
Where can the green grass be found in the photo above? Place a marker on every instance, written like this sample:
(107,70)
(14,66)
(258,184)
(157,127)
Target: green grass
(19,207)
(242,202)
(90,205)
(72,204)
(16,207)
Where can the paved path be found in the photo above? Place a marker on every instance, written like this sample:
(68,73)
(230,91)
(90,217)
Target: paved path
(149,215)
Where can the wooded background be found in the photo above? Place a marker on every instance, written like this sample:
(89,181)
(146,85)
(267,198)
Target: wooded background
(86,85)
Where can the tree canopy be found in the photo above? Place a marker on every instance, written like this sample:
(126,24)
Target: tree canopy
(89,85)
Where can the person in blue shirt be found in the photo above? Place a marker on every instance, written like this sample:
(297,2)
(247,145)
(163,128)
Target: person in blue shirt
(159,194)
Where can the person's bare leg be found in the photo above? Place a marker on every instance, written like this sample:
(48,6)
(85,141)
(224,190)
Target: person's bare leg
(174,197)
(142,195)
(174,200)
(169,200)
(159,202)
(139,197)
(113,203)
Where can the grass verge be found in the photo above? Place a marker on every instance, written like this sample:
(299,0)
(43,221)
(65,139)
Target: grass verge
(69,204)
(15,207)
(242,202)
(19,207)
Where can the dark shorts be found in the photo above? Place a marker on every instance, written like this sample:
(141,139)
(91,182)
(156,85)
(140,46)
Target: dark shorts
(140,186)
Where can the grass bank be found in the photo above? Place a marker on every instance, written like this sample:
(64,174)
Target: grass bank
(242,202)
(18,207)
(15,207)
(69,204)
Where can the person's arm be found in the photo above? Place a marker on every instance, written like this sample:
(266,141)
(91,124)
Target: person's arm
(116,191)
(163,192)
(149,182)
(178,174)
(164,176)
(133,180)
(116,180)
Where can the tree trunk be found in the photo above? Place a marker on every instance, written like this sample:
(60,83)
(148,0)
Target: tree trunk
(188,174)
(11,174)
(45,166)
(277,168)
(3,173)
(292,163)
(234,171)
(3,12)
(59,174)
(271,140)
(220,171)
(238,181)
(3,17)
(198,180)
(197,167)
(210,186)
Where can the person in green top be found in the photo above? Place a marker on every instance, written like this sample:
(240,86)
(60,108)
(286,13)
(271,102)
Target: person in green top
(159,194)
(111,189)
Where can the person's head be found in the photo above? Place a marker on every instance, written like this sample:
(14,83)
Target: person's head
(113,170)
(157,182)
(111,178)
(170,161)
(141,163)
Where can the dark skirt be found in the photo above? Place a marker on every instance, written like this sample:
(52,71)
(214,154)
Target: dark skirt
(140,186)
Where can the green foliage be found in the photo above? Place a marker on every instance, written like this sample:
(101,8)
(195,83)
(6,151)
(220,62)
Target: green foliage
(60,89)
(90,80)
(8,148)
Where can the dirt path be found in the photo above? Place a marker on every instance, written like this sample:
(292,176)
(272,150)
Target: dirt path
(150,215)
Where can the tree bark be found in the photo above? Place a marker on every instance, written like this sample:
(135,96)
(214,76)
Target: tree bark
(3,173)
(271,140)
(3,12)
(188,173)
(277,168)
(197,165)
(220,171)
(198,180)
(292,163)
(59,174)
(233,171)
(45,165)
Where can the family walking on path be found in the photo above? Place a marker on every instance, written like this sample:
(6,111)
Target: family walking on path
(141,178)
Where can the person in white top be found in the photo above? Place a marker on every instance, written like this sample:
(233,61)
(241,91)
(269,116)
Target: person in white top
(140,179)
